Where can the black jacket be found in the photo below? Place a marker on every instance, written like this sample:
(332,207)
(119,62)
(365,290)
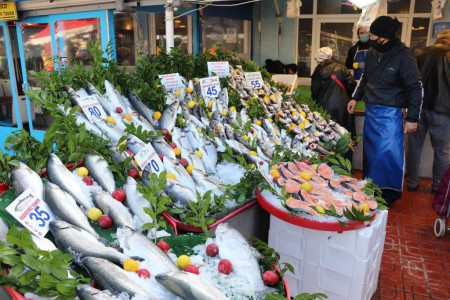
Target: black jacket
(330,95)
(392,79)
(434,66)
(352,51)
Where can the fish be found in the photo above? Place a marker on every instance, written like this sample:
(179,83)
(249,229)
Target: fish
(72,239)
(87,292)
(264,148)
(185,110)
(207,183)
(139,120)
(115,97)
(99,170)
(193,159)
(134,143)
(134,244)
(120,157)
(182,194)
(43,243)
(192,134)
(161,147)
(180,173)
(3,230)
(121,122)
(176,136)
(64,207)
(169,117)
(66,180)
(114,278)
(104,103)
(81,119)
(113,133)
(229,132)
(73,95)
(210,156)
(136,201)
(243,141)
(197,122)
(141,108)
(118,212)
(189,286)
(23,178)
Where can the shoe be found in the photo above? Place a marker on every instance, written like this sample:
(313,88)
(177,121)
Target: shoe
(412,189)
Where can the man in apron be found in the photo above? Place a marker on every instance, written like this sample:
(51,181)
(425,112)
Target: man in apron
(390,82)
(356,55)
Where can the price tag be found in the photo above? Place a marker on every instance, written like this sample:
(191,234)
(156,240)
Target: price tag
(254,79)
(210,86)
(148,156)
(220,68)
(32,212)
(91,107)
(171,81)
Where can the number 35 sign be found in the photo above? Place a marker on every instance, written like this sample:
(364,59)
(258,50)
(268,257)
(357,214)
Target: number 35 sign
(32,212)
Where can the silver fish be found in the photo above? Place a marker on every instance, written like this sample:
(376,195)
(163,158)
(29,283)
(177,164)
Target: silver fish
(176,136)
(99,170)
(169,117)
(66,180)
(3,230)
(139,120)
(161,147)
(141,108)
(114,278)
(115,209)
(197,122)
(229,132)
(206,183)
(193,159)
(121,122)
(134,143)
(73,95)
(211,156)
(136,201)
(64,207)
(179,192)
(72,239)
(241,140)
(104,103)
(43,243)
(120,157)
(264,147)
(180,173)
(115,97)
(223,96)
(112,132)
(189,286)
(23,177)
(185,111)
(192,134)
(134,243)
(81,119)
(87,292)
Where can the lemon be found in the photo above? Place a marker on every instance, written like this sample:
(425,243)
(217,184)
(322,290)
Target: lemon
(140,174)
(245,138)
(136,163)
(196,79)
(199,154)
(306,186)
(191,104)
(272,97)
(302,125)
(210,115)
(253,153)
(171,176)
(157,115)
(130,265)
(364,207)
(123,143)
(315,167)
(258,122)
(210,105)
(183,261)
(276,141)
(82,172)
(189,90)
(255,135)
(127,116)
(320,209)
(252,166)
(189,169)
(294,113)
(177,151)
(79,109)
(236,70)
(266,99)
(275,174)
(233,108)
(303,114)
(224,112)
(305,175)
(110,120)
(178,92)
(94,214)
(274,168)
(306,121)
(270,120)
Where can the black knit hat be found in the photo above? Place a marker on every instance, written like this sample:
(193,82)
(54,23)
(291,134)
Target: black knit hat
(385,27)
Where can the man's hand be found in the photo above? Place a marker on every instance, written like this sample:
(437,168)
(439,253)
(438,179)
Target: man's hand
(410,127)
(351,106)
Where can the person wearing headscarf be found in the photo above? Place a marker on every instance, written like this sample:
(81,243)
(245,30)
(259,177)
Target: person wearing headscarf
(434,66)
(390,82)
(357,53)
(331,85)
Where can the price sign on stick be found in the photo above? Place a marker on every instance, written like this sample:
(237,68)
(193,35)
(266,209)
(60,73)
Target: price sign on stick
(32,212)
(210,86)
(171,81)
(254,79)
(220,68)
(91,107)
(148,156)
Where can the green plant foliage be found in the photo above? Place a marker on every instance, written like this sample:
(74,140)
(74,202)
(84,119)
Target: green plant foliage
(272,257)
(7,164)
(302,296)
(40,272)
(340,165)
(256,109)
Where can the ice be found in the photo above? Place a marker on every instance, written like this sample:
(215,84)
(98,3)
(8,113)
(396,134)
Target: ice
(32,296)
(229,173)
(84,186)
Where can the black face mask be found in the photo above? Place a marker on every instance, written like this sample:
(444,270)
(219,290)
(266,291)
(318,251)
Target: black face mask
(375,44)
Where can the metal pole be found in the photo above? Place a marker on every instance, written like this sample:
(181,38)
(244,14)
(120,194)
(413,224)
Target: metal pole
(169,26)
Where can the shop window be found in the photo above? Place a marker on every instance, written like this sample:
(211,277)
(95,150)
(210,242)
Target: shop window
(400,6)
(125,43)
(336,7)
(422,6)
(37,49)
(304,47)
(73,37)
(337,36)
(419,33)
(307,7)
(180,32)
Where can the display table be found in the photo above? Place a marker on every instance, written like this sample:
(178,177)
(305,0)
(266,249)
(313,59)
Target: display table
(341,265)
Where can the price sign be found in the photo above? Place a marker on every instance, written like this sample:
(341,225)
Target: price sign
(32,212)
(220,68)
(148,156)
(171,81)
(254,79)
(91,107)
(210,86)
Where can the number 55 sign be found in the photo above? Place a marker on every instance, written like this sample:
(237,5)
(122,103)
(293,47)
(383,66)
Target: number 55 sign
(32,212)
(210,86)
(254,79)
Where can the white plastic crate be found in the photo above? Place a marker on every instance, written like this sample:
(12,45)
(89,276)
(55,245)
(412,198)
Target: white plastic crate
(341,265)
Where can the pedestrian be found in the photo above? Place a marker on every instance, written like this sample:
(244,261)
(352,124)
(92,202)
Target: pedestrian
(434,66)
(390,82)
(357,53)
(331,86)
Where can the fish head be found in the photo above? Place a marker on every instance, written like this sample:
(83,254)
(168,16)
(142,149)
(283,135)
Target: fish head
(58,225)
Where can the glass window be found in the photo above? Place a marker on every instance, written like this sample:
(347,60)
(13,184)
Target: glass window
(419,33)
(422,6)
(304,47)
(400,6)
(336,7)
(180,32)
(37,49)
(7,116)
(307,7)
(337,36)
(73,36)
(125,44)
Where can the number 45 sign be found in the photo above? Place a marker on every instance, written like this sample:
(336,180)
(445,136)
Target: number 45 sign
(210,86)
(32,212)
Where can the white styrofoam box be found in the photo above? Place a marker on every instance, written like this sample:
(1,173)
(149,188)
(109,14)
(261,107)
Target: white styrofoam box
(280,225)
(292,245)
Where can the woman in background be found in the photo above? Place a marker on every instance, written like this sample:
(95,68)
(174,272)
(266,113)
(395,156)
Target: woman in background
(357,53)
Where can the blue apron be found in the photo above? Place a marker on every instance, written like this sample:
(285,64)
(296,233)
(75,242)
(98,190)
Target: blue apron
(384,157)
(360,57)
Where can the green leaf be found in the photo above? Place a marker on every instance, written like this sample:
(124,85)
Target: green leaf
(16,271)
(31,262)
(11,260)
(47,281)
(59,269)
(67,287)
(28,277)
